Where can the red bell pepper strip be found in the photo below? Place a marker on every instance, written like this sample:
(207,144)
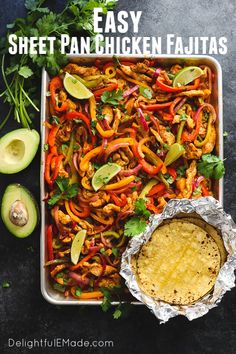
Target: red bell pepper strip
(172,172)
(54,86)
(150,169)
(99,92)
(57,166)
(121,202)
(198,121)
(85,259)
(156,189)
(155,107)
(52,139)
(168,88)
(81,214)
(205,191)
(174,104)
(47,174)
(78,115)
(49,243)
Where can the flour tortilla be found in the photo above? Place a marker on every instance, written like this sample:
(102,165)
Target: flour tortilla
(179,264)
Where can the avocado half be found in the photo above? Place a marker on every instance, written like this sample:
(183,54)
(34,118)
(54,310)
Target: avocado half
(17,150)
(19,210)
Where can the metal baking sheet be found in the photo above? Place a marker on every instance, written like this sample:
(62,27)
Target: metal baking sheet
(48,292)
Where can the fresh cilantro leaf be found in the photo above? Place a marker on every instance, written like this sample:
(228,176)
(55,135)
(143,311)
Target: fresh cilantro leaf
(55,120)
(112,97)
(93,126)
(96,166)
(102,250)
(5,284)
(59,287)
(78,291)
(106,303)
(197,191)
(140,208)
(225,134)
(134,227)
(145,92)
(166,146)
(117,313)
(181,170)
(63,191)
(25,71)
(183,117)
(211,166)
(45,147)
(169,179)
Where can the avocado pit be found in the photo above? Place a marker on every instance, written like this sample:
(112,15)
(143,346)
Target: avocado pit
(18,213)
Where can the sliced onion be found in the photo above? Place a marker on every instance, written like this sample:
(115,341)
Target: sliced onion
(143,120)
(130,91)
(130,172)
(180,104)
(75,161)
(157,72)
(199,180)
(122,215)
(78,278)
(102,152)
(113,148)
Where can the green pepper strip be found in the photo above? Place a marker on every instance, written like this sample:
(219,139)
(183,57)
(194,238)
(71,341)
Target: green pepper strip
(180,131)
(111,233)
(208,133)
(70,149)
(147,188)
(163,180)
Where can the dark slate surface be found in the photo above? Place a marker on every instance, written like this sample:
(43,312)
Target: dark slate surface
(23,311)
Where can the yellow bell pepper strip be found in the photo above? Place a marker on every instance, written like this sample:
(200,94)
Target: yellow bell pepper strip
(70,149)
(111,233)
(123,182)
(102,220)
(110,71)
(85,184)
(84,163)
(86,295)
(127,78)
(180,132)
(92,107)
(211,120)
(145,191)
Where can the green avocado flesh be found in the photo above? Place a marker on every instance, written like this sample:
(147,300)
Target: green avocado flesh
(17,150)
(19,211)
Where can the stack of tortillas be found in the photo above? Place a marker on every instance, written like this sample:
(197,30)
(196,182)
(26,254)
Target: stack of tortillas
(180,262)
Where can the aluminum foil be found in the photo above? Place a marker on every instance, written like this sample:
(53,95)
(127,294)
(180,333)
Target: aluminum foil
(210,210)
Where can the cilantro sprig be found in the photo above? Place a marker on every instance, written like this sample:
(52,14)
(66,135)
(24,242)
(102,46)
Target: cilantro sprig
(112,97)
(21,73)
(211,166)
(64,190)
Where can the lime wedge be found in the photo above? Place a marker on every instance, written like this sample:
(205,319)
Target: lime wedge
(187,75)
(104,174)
(76,246)
(76,88)
(176,150)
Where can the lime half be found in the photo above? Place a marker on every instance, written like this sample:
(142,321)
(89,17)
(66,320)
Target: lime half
(76,246)
(76,88)
(104,174)
(187,75)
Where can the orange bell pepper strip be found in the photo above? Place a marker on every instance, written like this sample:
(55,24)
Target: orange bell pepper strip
(127,78)
(155,107)
(121,202)
(84,163)
(92,108)
(54,86)
(123,182)
(47,174)
(193,135)
(49,243)
(110,87)
(156,189)
(167,88)
(205,191)
(102,220)
(52,138)
(57,167)
(85,259)
(75,210)
(86,295)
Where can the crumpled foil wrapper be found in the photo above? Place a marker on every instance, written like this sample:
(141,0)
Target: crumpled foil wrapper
(212,212)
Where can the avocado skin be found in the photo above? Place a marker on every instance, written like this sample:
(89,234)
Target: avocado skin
(33,205)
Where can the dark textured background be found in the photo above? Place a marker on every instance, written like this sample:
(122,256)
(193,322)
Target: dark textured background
(23,311)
